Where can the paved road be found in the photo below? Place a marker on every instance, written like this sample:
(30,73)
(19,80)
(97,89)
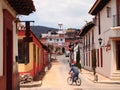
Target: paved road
(55,79)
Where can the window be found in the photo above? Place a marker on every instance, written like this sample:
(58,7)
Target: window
(99,25)
(98,57)
(108,12)
(95,20)
(20,49)
(101,57)
(89,41)
(92,36)
(89,58)
(23,51)
(50,39)
(34,52)
(38,55)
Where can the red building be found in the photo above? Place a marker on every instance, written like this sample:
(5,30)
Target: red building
(33,55)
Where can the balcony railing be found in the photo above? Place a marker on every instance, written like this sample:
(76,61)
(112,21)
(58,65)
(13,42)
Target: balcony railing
(116,20)
(113,32)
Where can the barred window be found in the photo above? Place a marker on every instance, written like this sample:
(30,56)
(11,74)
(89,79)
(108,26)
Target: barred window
(108,12)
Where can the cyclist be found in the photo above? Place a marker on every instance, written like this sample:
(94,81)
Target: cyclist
(75,71)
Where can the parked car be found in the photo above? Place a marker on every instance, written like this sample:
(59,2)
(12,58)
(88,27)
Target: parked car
(67,53)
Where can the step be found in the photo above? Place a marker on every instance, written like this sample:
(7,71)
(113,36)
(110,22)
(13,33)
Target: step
(116,75)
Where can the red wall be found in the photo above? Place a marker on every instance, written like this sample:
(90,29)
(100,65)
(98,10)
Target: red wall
(43,61)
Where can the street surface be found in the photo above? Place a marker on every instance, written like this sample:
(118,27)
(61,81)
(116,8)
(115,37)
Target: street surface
(56,79)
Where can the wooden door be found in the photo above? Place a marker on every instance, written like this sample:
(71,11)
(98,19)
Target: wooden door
(9,59)
(118,55)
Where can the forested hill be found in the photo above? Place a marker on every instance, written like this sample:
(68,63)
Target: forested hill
(38,30)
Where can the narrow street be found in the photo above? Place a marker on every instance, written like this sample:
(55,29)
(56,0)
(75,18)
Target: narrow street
(56,79)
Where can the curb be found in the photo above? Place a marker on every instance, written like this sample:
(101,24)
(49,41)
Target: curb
(104,82)
(32,84)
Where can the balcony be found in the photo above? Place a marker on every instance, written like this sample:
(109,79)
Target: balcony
(114,33)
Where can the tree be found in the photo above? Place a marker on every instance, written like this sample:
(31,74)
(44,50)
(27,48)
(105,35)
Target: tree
(56,50)
(78,64)
(94,61)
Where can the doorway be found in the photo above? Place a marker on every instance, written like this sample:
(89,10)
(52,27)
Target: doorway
(9,57)
(118,55)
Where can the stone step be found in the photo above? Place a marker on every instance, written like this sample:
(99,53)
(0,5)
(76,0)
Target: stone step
(116,75)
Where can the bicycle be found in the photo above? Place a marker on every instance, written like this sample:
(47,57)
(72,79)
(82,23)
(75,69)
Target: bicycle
(76,79)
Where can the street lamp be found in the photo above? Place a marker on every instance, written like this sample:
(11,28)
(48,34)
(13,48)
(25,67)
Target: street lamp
(100,41)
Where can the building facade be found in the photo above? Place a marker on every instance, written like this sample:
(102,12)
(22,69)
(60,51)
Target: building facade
(34,57)
(59,39)
(9,9)
(104,37)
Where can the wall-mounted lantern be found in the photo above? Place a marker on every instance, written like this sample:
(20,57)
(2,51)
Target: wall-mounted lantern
(100,41)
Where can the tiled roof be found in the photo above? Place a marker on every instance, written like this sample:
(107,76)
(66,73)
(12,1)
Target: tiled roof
(86,28)
(23,7)
(98,6)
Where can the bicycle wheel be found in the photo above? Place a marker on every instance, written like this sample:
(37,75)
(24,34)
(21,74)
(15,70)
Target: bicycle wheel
(69,80)
(78,82)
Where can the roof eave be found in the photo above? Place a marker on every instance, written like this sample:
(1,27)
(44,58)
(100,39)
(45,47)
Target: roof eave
(22,7)
(98,6)
(86,28)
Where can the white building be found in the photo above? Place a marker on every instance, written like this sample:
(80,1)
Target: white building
(107,28)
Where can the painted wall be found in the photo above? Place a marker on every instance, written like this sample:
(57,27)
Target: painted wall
(1,40)
(106,32)
(105,24)
(35,65)
(5,5)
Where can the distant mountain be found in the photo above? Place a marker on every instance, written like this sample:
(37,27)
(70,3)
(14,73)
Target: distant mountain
(38,30)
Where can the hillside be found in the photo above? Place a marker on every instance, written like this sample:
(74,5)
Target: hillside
(38,30)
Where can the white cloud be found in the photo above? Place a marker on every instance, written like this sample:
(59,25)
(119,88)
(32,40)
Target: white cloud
(71,13)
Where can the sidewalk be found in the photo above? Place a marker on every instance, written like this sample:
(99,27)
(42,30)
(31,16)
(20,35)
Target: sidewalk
(101,79)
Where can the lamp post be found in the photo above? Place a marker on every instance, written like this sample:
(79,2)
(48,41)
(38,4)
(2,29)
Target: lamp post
(100,41)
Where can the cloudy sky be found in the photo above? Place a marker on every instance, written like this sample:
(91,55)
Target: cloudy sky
(70,13)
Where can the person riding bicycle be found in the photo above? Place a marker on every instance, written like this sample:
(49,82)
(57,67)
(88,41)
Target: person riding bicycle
(75,71)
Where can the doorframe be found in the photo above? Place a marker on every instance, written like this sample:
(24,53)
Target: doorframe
(117,55)
(7,25)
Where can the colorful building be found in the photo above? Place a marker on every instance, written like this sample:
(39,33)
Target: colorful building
(9,9)
(60,38)
(34,57)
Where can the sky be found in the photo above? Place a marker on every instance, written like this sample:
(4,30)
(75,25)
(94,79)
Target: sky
(69,13)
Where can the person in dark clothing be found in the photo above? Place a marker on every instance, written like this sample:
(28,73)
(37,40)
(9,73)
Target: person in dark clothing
(75,71)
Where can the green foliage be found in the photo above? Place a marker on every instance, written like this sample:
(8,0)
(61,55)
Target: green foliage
(57,49)
(78,58)
(50,46)
(94,59)
(78,65)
